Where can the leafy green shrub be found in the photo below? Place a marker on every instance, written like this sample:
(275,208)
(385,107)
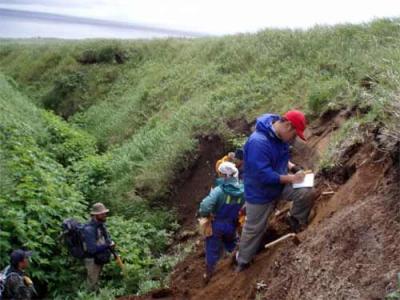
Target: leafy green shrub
(5,51)
(106,54)
(139,243)
(101,294)
(33,206)
(91,176)
(61,95)
(67,145)
(39,67)
(110,76)
(88,56)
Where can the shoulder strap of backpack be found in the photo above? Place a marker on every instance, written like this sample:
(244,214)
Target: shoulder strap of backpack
(233,200)
(6,276)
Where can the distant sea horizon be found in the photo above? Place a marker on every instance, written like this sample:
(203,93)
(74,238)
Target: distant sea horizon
(27,24)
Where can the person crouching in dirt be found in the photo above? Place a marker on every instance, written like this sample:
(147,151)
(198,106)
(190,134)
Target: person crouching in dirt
(98,244)
(221,207)
(266,164)
(234,157)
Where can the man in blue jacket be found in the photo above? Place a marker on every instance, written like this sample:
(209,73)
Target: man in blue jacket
(266,179)
(98,244)
(222,205)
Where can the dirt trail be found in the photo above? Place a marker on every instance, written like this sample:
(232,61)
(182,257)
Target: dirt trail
(349,250)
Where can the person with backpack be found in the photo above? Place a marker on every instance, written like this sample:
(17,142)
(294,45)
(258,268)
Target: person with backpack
(221,207)
(98,244)
(16,285)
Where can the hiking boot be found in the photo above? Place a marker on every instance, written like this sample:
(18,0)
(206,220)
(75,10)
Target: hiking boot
(241,267)
(293,223)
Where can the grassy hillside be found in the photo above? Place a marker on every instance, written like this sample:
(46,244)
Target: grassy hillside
(147,109)
(134,109)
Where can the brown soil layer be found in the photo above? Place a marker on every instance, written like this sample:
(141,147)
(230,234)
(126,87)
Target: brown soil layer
(195,183)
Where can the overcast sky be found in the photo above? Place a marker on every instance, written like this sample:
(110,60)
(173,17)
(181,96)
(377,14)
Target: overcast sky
(153,18)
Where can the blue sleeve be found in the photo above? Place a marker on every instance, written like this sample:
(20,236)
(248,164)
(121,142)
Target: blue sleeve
(260,154)
(208,204)
(90,240)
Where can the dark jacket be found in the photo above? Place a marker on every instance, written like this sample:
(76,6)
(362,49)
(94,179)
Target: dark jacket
(15,288)
(97,241)
(266,157)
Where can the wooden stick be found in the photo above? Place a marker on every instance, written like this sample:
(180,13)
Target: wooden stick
(327,193)
(281,239)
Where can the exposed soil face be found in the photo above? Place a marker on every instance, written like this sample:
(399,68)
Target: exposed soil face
(352,254)
(348,251)
(318,135)
(195,183)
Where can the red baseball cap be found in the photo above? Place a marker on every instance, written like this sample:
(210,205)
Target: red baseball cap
(298,121)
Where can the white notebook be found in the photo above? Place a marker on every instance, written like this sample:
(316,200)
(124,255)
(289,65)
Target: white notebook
(307,182)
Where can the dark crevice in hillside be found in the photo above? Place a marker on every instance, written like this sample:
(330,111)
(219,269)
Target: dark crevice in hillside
(194,183)
(334,118)
(106,54)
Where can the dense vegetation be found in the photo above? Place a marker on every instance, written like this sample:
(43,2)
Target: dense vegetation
(50,171)
(130,113)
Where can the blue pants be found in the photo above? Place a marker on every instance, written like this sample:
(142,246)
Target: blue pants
(223,237)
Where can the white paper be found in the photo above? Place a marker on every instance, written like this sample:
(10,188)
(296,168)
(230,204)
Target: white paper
(307,182)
